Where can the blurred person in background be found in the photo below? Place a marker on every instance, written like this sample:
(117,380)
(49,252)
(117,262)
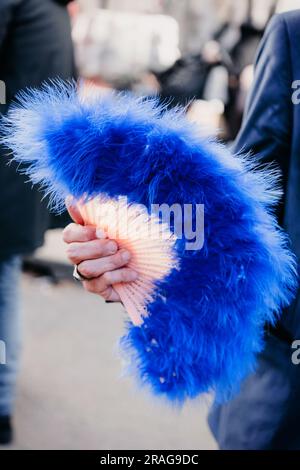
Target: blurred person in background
(266,413)
(35,45)
(216,71)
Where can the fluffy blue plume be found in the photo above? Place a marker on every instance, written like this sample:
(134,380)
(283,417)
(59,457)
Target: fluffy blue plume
(204,333)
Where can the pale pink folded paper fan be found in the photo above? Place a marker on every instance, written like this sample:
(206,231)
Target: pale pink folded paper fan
(150,243)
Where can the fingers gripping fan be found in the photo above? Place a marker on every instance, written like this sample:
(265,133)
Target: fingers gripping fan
(197,310)
(151,245)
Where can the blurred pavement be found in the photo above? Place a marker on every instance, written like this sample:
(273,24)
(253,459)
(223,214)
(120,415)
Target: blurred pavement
(71,392)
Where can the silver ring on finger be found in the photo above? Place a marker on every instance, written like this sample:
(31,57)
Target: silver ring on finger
(78,276)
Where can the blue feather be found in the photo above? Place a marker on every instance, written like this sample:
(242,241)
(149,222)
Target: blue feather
(206,330)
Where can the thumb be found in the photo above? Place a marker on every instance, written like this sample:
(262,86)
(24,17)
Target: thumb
(73,210)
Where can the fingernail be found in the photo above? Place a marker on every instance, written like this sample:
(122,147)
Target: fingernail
(125,256)
(100,233)
(112,247)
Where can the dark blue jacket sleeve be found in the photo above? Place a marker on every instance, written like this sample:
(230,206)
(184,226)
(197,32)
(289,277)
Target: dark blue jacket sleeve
(267,125)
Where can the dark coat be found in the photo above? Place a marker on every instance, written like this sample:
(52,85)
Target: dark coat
(35,45)
(266,413)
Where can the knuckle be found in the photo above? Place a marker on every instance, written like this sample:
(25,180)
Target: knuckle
(89,286)
(85,270)
(72,253)
(109,247)
(107,277)
(100,247)
(115,261)
(67,231)
(105,294)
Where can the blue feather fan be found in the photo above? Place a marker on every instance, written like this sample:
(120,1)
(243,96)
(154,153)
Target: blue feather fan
(205,324)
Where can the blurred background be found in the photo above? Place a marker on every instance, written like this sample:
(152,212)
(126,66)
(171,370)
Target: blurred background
(71,393)
(195,53)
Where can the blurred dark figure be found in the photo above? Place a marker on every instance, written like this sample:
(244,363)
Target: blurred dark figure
(215,73)
(186,79)
(241,43)
(35,45)
(266,413)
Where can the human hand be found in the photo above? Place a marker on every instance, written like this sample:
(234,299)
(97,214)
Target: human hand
(98,259)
